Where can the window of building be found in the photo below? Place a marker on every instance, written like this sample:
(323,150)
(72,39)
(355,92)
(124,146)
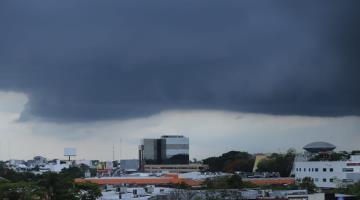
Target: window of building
(316,180)
(348,169)
(299,169)
(316,169)
(324,180)
(324,169)
(304,169)
(331,180)
(309,169)
(312,169)
(331,169)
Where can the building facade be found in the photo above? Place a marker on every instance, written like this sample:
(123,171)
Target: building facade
(169,149)
(175,149)
(129,164)
(329,174)
(152,150)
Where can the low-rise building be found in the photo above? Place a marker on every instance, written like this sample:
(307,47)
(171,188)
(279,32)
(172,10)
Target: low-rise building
(55,166)
(175,168)
(329,174)
(325,173)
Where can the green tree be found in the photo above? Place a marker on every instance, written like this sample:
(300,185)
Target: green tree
(51,186)
(281,163)
(58,186)
(235,182)
(21,191)
(13,176)
(333,156)
(307,183)
(352,189)
(87,191)
(73,172)
(230,162)
(227,182)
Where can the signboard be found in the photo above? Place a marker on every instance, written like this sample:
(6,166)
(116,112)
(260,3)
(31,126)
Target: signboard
(69,151)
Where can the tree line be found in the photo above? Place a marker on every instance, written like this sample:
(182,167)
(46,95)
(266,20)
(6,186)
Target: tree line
(46,186)
(233,161)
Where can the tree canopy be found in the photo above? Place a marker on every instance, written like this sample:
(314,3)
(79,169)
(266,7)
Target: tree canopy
(281,163)
(50,186)
(230,162)
(307,183)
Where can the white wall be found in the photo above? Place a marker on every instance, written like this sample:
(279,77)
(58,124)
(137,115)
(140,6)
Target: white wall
(338,174)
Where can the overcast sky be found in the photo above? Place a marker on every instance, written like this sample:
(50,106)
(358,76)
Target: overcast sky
(243,75)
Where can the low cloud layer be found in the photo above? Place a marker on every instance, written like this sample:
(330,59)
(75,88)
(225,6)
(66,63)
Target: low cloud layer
(211,133)
(100,60)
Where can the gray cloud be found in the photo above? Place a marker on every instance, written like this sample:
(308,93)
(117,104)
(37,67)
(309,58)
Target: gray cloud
(97,60)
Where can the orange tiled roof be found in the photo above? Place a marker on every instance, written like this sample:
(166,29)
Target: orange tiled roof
(271,181)
(174,179)
(166,179)
(113,181)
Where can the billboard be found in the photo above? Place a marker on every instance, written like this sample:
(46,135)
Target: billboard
(69,151)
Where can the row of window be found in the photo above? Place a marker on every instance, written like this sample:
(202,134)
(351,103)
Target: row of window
(314,169)
(324,180)
(323,169)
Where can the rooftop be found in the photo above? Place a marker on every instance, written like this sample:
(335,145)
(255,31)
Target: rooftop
(316,147)
(172,136)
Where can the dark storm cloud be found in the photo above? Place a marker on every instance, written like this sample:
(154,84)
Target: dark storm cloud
(95,60)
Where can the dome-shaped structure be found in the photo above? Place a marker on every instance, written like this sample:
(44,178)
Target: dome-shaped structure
(316,147)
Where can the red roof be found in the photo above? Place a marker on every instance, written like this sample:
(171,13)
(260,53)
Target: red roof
(166,179)
(174,179)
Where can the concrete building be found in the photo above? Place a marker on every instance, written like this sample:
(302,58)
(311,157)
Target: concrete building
(327,174)
(83,162)
(129,164)
(39,160)
(55,166)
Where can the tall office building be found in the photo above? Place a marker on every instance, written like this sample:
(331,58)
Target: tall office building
(169,149)
(175,149)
